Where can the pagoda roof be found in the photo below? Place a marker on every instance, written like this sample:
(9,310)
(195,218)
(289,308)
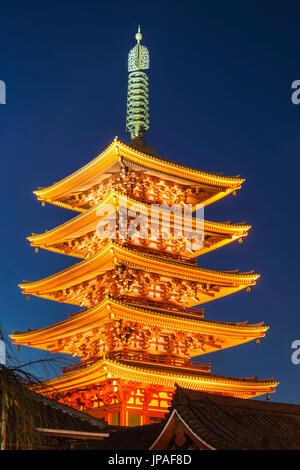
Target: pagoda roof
(85,322)
(87,222)
(108,369)
(114,255)
(115,156)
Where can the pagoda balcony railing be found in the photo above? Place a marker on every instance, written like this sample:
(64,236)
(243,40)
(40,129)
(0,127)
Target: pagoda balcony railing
(77,366)
(159,359)
(164,307)
(164,254)
(144,357)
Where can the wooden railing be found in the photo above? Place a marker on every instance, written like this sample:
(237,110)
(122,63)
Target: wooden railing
(166,307)
(144,357)
(163,359)
(165,254)
(74,367)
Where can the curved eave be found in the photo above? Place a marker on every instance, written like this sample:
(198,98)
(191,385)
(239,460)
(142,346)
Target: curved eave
(202,251)
(113,255)
(108,369)
(117,150)
(108,310)
(210,200)
(87,221)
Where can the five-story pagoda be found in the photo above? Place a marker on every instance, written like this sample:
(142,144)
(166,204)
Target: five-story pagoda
(138,284)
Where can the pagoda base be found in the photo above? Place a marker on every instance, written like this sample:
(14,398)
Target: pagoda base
(130,415)
(133,393)
(120,402)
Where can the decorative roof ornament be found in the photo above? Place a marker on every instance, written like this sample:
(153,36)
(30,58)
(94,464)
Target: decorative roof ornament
(138,58)
(137,122)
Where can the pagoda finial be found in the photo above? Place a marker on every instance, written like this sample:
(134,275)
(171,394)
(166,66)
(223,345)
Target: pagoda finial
(138,35)
(137,122)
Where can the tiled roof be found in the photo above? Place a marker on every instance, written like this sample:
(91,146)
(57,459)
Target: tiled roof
(233,423)
(126,438)
(61,416)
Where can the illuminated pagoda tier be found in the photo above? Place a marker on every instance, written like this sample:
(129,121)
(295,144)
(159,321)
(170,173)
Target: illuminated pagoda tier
(140,323)
(138,175)
(78,236)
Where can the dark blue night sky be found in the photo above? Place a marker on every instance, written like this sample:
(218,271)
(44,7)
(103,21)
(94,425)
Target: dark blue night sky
(220,87)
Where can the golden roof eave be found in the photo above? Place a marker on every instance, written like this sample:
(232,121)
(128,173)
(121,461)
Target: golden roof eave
(88,220)
(113,255)
(117,150)
(111,309)
(108,369)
